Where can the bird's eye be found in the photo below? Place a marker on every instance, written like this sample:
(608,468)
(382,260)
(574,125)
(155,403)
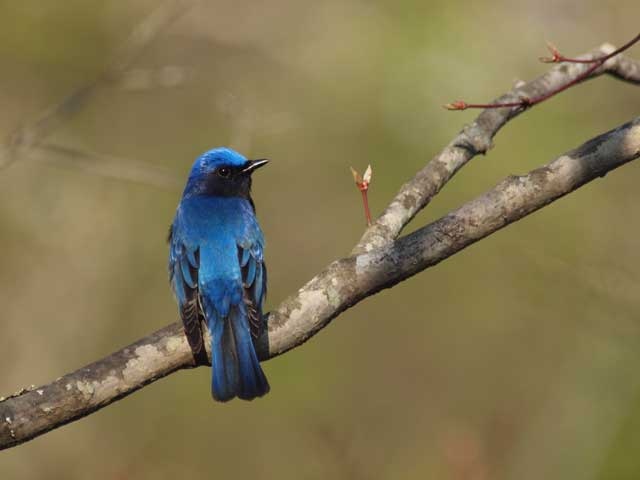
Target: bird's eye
(224,172)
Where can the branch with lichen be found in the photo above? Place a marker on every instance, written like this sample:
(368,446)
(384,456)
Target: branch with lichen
(380,260)
(477,138)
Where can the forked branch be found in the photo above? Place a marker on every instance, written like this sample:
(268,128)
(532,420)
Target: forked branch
(379,261)
(594,63)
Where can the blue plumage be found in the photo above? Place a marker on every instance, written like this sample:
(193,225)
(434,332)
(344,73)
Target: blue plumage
(217,271)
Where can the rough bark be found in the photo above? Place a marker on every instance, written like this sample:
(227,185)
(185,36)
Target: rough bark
(476,138)
(342,284)
(379,261)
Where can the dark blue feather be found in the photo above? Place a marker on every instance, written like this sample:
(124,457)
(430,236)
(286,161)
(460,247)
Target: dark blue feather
(251,273)
(257,284)
(245,255)
(186,273)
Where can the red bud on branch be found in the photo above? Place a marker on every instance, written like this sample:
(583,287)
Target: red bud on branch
(363,182)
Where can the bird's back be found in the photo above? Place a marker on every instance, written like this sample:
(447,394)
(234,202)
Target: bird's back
(227,286)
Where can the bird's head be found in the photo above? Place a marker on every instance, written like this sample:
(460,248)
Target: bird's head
(222,172)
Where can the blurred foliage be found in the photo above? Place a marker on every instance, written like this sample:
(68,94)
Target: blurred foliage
(516,359)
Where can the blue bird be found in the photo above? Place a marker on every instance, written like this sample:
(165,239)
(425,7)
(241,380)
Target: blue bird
(217,271)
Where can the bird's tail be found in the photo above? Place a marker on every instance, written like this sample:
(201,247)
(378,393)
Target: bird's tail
(236,370)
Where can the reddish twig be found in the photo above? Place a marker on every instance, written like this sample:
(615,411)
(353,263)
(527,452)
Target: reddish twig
(363,182)
(462,105)
(556,57)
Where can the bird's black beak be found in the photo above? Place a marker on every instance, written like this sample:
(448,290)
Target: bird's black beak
(252,165)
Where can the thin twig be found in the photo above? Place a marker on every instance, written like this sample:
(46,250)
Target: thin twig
(107,166)
(341,285)
(365,203)
(138,41)
(476,138)
(362,183)
(347,281)
(557,57)
(526,102)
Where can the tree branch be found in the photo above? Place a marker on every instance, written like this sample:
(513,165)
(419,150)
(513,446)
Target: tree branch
(380,262)
(527,102)
(341,285)
(109,166)
(144,33)
(476,138)
(626,69)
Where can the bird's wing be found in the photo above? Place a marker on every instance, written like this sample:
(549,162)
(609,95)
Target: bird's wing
(184,262)
(254,281)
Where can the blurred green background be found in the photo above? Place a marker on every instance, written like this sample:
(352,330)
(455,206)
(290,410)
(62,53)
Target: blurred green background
(516,359)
